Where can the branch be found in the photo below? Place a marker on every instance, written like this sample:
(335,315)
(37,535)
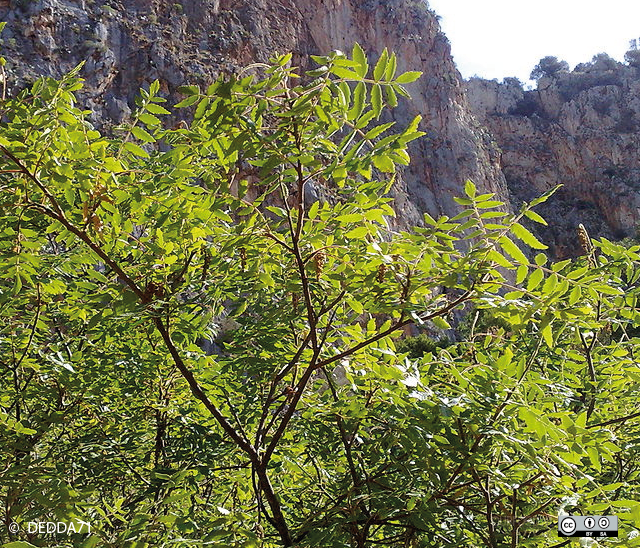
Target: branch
(496,414)
(197,391)
(533,514)
(615,421)
(33,327)
(592,370)
(395,327)
(561,544)
(57,214)
(346,441)
(297,395)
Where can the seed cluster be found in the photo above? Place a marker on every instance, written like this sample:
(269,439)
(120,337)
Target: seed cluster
(319,259)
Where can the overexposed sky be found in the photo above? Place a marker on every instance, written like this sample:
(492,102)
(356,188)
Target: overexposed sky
(498,38)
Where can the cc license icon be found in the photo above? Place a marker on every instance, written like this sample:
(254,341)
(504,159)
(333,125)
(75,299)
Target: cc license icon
(568,525)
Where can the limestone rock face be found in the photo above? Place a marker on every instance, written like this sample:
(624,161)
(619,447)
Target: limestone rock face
(129,43)
(579,129)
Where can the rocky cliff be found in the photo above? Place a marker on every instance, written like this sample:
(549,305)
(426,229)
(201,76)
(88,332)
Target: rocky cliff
(580,129)
(128,43)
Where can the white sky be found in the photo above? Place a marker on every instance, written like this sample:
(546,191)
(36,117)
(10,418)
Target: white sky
(498,38)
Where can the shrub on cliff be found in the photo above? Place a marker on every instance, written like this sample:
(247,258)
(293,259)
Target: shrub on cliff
(602,62)
(307,426)
(632,58)
(548,67)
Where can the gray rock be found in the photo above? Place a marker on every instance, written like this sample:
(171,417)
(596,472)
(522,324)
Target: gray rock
(579,128)
(117,109)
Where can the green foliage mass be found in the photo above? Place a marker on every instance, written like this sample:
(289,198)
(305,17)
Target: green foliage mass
(306,426)
(548,67)
(418,346)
